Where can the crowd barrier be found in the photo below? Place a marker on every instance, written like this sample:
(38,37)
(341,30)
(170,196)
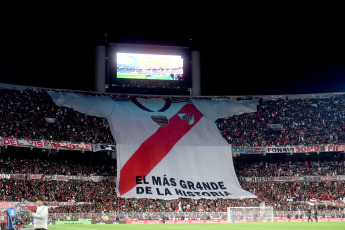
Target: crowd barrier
(293,179)
(44,144)
(184,217)
(135,216)
(44,177)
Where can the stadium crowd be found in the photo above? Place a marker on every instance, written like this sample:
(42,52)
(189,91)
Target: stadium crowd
(101,196)
(89,196)
(289,169)
(23,115)
(303,121)
(52,166)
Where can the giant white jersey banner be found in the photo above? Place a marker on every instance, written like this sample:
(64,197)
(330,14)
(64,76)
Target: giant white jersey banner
(167,148)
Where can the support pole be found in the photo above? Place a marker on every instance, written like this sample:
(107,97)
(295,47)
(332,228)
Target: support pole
(100,68)
(196,73)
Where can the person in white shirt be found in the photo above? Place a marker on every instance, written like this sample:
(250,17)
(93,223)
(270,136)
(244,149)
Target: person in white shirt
(41,215)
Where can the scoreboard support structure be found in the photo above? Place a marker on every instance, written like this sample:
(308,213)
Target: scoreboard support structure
(100,68)
(104,65)
(196,73)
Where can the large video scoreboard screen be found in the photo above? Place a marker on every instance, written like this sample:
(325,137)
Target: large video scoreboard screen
(148,65)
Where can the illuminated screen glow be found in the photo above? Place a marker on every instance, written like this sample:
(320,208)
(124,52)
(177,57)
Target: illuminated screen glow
(149,66)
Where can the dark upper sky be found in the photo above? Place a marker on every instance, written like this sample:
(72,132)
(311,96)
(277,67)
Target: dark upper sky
(234,61)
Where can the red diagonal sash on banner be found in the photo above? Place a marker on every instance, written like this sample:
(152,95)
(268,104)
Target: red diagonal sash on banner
(157,146)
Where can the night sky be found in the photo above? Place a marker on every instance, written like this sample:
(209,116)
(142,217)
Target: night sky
(235,61)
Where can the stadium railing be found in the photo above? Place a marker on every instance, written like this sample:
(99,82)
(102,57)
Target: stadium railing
(53,217)
(132,216)
(303,214)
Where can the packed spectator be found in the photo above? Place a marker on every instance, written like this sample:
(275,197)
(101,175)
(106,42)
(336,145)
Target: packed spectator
(89,196)
(25,161)
(23,115)
(303,121)
(98,197)
(289,169)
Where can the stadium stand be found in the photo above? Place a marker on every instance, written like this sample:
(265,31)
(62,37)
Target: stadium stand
(89,196)
(305,121)
(322,167)
(23,113)
(24,161)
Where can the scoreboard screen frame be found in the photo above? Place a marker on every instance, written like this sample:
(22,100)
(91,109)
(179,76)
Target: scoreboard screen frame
(177,80)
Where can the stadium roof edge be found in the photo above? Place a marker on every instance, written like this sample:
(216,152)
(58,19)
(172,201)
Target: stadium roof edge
(265,97)
(146,45)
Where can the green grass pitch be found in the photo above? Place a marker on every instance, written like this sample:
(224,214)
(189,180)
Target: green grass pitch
(140,76)
(219,226)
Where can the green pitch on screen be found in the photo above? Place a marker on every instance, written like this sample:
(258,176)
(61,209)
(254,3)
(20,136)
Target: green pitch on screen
(141,76)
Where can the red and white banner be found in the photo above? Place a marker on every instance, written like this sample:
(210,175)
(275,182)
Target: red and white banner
(104,147)
(56,145)
(143,221)
(55,177)
(293,178)
(5,176)
(25,143)
(280,219)
(275,219)
(45,144)
(306,149)
(191,221)
(168,148)
(69,146)
(9,204)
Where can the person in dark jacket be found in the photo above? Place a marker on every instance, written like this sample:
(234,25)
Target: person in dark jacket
(309,215)
(315,214)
